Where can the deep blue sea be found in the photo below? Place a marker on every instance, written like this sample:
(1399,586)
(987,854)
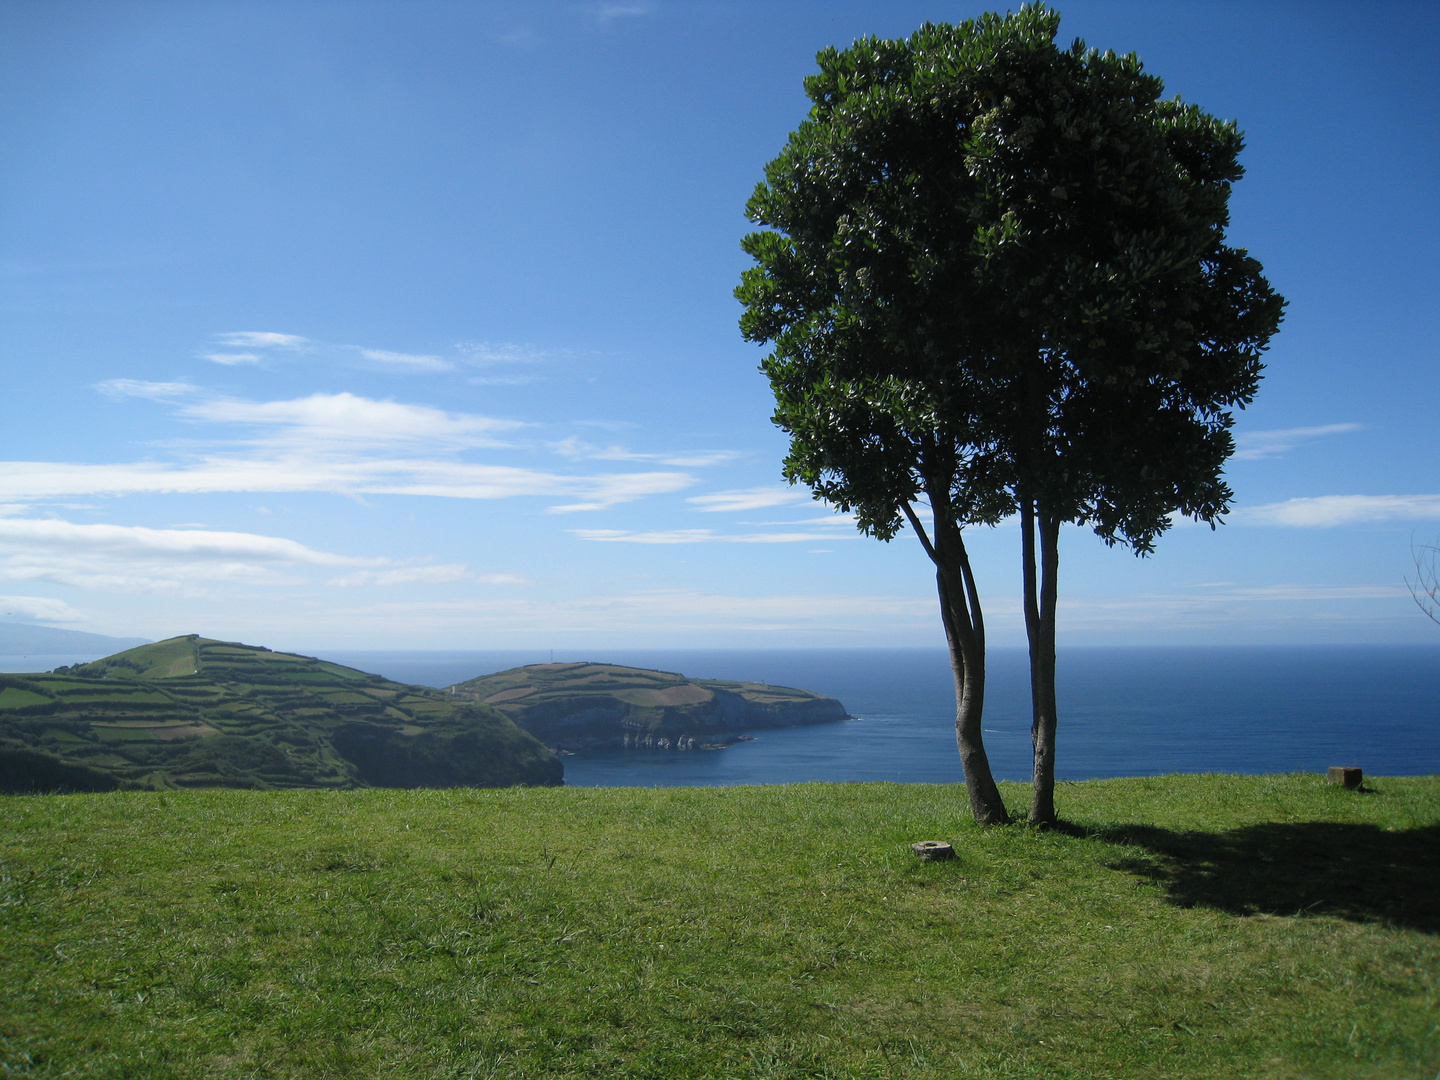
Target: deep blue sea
(1123,712)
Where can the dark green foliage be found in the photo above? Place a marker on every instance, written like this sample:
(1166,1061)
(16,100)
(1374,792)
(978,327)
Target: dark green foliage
(26,771)
(1005,260)
(191,712)
(384,757)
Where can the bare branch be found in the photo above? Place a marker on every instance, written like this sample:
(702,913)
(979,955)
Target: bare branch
(1425,589)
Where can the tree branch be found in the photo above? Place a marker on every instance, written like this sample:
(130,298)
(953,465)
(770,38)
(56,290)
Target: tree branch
(920,532)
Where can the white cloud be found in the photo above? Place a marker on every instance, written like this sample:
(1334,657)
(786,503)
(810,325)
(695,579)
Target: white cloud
(406,361)
(138,388)
(231,359)
(612,488)
(327,420)
(1325,511)
(698,536)
(622,536)
(607,13)
(656,614)
(502,352)
(261,339)
(277,473)
(1238,610)
(574,447)
(749,499)
(1254,445)
(828,519)
(408,575)
(502,380)
(40,609)
(426,575)
(122,558)
(135,541)
(339,443)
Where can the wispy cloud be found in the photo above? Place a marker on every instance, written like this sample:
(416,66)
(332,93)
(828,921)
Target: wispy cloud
(406,361)
(360,475)
(607,13)
(266,344)
(1327,511)
(138,388)
(749,499)
(408,575)
(615,488)
(1254,445)
(40,609)
(623,536)
(503,352)
(125,558)
(574,447)
(261,339)
(327,421)
(1240,610)
(339,443)
(660,614)
(698,536)
(140,542)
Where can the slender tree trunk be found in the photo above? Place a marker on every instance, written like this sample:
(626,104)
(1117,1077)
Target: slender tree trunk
(1040,630)
(965,634)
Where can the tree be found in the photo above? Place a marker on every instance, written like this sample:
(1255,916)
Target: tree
(1131,327)
(999,281)
(1426,586)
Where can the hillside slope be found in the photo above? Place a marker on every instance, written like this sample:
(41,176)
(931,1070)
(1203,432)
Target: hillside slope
(193,712)
(584,706)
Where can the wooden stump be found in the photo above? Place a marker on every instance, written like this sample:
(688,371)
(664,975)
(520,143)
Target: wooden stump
(934,850)
(1347,775)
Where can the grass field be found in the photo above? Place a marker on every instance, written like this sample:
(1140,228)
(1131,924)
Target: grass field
(1200,926)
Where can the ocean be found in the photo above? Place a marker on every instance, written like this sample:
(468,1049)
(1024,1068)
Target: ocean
(1123,712)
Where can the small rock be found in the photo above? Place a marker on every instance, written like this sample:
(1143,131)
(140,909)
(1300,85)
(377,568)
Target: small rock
(1348,775)
(933,850)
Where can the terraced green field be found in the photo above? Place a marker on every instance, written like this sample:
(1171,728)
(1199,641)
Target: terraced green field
(584,705)
(192,712)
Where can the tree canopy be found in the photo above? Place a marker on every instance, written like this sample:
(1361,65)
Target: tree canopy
(995,277)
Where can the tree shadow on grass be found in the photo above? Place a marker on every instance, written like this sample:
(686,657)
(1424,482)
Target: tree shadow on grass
(1357,872)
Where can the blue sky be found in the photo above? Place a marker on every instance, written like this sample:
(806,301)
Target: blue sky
(384,325)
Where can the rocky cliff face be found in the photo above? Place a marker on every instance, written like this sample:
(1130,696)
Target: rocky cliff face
(587,706)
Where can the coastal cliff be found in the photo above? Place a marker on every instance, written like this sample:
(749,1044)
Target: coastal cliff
(591,706)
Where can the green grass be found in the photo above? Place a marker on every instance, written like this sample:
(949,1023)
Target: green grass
(1202,926)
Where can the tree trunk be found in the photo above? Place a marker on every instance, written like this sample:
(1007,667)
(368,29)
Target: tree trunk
(965,634)
(1040,630)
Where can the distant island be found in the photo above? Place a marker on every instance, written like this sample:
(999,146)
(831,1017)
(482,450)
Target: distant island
(584,706)
(18,639)
(193,712)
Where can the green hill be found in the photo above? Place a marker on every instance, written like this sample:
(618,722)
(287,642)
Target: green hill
(584,706)
(192,712)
